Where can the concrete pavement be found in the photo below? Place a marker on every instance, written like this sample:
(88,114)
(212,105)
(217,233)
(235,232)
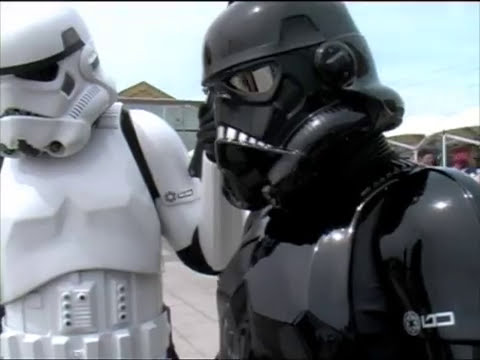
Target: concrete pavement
(191,298)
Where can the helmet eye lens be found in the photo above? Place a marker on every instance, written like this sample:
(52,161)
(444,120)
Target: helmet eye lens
(258,81)
(44,74)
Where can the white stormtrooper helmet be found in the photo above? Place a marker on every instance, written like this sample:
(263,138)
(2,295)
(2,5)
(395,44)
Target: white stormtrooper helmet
(52,87)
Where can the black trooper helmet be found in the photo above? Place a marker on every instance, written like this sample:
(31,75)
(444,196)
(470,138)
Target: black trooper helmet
(270,65)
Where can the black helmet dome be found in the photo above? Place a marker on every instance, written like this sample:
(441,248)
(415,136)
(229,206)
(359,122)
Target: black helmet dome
(249,31)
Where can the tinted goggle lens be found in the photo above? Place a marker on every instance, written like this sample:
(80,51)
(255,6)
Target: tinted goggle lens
(258,81)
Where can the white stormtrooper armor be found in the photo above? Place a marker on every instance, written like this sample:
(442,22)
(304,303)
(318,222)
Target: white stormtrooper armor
(87,192)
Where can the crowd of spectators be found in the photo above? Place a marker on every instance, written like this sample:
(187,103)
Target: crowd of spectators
(461,159)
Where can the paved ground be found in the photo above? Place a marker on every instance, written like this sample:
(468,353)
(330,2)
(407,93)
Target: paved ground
(191,297)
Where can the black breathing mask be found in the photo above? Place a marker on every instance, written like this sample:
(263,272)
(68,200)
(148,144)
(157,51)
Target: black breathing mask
(273,114)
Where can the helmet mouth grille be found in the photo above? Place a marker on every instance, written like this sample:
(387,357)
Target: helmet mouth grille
(82,104)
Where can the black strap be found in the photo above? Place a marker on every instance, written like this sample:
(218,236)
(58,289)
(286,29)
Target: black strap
(195,167)
(2,314)
(192,255)
(132,140)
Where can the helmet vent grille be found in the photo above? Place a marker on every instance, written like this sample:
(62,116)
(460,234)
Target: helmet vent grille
(83,102)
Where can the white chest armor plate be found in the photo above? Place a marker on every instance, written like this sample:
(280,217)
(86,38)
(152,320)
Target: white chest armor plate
(88,211)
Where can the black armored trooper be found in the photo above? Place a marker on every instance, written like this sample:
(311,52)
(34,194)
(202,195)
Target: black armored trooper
(349,252)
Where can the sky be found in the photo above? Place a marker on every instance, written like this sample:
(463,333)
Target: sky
(428,51)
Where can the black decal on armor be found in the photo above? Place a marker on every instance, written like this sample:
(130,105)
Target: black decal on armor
(185,194)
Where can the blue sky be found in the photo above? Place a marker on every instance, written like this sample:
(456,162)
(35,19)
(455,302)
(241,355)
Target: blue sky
(429,52)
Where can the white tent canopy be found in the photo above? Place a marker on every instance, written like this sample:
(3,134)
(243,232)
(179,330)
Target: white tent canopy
(418,125)
(416,131)
(465,124)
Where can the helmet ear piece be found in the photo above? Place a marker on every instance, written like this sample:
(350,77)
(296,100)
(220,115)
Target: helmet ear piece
(88,62)
(336,64)
(91,71)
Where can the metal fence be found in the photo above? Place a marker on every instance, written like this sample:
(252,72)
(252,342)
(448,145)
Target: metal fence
(443,144)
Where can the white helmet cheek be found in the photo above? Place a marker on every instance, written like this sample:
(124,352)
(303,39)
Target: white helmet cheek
(88,59)
(90,104)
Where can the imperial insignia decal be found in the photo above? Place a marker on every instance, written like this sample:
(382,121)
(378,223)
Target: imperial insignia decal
(172,197)
(414,323)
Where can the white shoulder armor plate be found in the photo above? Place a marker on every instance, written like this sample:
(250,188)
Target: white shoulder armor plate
(88,211)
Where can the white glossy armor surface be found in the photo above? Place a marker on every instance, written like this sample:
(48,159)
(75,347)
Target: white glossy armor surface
(186,204)
(80,254)
(222,224)
(90,209)
(68,217)
(18,30)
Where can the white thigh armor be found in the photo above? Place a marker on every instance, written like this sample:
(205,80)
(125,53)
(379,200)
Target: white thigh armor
(80,255)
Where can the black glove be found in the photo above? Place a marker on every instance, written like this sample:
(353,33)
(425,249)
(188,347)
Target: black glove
(206,136)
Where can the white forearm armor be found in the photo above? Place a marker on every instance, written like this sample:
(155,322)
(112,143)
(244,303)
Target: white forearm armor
(185,205)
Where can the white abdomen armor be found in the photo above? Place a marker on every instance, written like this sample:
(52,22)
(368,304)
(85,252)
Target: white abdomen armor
(80,254)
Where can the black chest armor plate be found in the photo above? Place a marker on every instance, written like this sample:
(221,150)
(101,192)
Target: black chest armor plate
(375,288)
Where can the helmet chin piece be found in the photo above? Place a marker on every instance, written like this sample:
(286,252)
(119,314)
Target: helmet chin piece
(245,168)
(58,137)
(31,135)
(240,195)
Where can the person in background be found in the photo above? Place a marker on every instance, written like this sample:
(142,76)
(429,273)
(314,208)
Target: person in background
(477,162)
(477,178)
(462,160)
(427,157)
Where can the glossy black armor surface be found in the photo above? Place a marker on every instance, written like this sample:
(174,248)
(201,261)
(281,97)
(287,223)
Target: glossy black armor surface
(287,78)
(400,280)
(361,255)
